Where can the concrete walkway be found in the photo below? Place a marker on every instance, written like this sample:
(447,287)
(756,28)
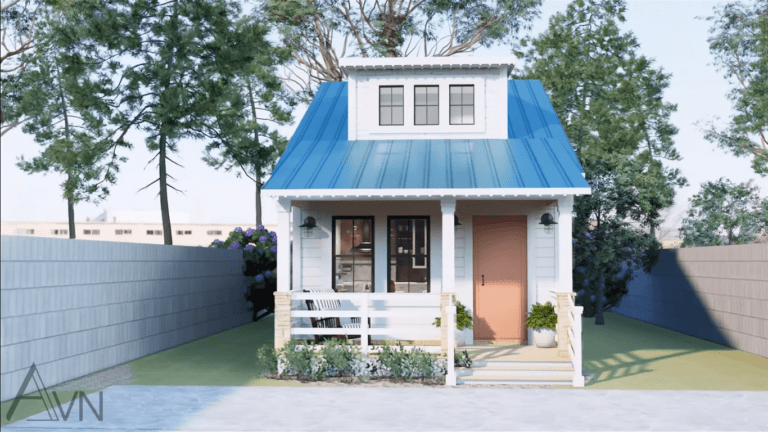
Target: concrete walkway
(190,408)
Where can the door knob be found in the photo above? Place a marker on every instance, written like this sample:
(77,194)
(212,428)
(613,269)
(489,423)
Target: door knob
(483,276)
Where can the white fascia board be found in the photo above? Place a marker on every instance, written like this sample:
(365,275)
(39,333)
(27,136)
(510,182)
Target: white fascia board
(496,193)
(424,62)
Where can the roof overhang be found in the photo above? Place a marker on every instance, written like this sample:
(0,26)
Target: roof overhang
(421,194)
(392,63)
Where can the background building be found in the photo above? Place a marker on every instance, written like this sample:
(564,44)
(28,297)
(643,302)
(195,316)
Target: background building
(131,227)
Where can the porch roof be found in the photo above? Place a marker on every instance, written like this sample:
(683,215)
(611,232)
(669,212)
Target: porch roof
(536,159)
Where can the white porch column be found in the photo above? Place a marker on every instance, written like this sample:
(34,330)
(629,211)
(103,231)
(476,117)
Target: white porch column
(564,247)
(448,264)
(298,219)
(284,245)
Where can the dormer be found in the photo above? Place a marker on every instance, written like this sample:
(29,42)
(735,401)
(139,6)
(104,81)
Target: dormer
(406,98)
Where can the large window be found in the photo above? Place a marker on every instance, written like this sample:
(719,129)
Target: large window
(408,252)
(391,105)
(425,105)
(462,104)
(353,254)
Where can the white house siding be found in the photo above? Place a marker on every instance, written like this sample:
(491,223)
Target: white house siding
(316,261)
(490,91)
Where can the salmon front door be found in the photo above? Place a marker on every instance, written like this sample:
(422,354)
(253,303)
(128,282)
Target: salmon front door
(499,246)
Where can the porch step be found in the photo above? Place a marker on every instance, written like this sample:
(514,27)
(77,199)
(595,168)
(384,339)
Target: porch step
(516,373)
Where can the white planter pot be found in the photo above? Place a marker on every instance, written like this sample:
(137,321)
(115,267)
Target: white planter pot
(459,338)
(544,338)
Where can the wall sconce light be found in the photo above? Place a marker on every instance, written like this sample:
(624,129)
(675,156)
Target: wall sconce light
(456,220)
(547,220)
(309,223)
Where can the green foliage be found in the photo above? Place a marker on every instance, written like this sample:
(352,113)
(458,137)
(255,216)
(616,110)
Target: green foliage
(339,356)
(259,251)
(301,358)
(266,358)
(462,359)
(463,318)
(542,315)
(403,364)
(739,43)
(609,99)
(725,213)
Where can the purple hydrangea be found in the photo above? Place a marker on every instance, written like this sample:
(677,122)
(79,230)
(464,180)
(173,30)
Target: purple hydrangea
(273,234)
(250,247)
(273,248)
(588,235)
(581,269)
(573,241)
(249,232)
(238,230)
(234,245)
(581,292)
(268,273)
(263,239)
(259,278)
(260,227)
(274,238)
(260,251)
(217,241)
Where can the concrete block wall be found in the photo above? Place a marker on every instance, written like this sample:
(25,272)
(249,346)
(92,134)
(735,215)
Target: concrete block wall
(718,293)
(74,307)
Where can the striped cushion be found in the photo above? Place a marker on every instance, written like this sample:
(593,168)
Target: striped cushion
(325,304)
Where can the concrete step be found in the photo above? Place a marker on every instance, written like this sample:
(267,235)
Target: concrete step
(511,381)
(520,365)
(564,374)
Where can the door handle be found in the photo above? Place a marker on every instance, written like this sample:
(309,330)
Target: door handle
(483,276)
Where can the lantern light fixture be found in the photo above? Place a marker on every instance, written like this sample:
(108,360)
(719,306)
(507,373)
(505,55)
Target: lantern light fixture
(309,223)
(547,220)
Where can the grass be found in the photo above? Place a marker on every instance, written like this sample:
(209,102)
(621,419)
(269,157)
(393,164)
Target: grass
(623,354)
(633,355)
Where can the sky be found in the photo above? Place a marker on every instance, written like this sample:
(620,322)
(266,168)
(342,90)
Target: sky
(667,32)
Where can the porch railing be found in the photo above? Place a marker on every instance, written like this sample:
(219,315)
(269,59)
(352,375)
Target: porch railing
(573,332)
(381,305)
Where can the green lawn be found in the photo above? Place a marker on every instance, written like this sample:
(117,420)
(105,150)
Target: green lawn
(629,354)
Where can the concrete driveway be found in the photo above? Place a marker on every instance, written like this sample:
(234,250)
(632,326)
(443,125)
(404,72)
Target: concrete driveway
(349,408)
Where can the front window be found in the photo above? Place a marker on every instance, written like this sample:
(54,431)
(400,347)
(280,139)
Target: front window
(425,105)
(462,104)
(391,105)
(353,254)
(409,254)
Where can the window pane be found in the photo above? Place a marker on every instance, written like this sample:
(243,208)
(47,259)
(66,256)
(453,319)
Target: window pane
(397,115)
(421,95)
(385,116)
(362,274)
(397,96)
(469,93)
(343,236)
(385,96)
(421,115)
(409,255)
(469,115)
(456,114)
(455,95)
(431,95)
(432,115)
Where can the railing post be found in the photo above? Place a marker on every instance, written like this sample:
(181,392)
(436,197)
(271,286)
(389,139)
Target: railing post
(283,320)
(364,324)
(578,376)
(450,377)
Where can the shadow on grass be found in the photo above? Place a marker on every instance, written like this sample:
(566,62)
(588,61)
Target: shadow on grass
(629,354)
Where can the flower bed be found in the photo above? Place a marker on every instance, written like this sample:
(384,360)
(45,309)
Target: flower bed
(342,362)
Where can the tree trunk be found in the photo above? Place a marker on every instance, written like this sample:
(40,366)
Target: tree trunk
(167,237)
(256,141)
(71,217)
(258,201)
(599,320)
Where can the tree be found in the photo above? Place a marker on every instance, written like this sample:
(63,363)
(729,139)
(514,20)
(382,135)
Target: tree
(173,64)
(75,134)
(724,213)
(17,37)
(739,43)
(390,28)
(610,102)
(239,132)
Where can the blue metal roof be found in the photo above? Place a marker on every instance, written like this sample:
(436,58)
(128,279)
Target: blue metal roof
(536,155)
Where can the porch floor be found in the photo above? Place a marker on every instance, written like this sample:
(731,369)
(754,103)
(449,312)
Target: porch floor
(521,353)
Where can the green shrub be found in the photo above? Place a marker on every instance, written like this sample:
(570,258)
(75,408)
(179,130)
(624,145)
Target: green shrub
(542,315)
(460,360)
(463,318)
(301,359)
(338,356)
(266,358)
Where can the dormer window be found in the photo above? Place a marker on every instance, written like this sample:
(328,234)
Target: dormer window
(391,106)
(426,103)
(462,104)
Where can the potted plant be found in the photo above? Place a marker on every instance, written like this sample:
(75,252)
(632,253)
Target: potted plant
(543,321)
(463,320)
